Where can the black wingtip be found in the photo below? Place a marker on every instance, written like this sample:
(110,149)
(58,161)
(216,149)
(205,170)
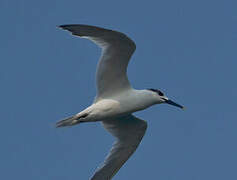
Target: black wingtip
(65,27)
(62,26)
(70,25)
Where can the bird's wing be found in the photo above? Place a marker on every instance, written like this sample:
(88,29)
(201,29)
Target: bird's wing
(128,131)
(117,48)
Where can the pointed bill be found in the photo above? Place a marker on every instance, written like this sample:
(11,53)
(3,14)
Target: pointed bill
(174,104)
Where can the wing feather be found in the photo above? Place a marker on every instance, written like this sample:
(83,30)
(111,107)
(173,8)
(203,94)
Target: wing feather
(129,132)
(117,48)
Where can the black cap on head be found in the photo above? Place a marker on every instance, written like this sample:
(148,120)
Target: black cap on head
(157,91)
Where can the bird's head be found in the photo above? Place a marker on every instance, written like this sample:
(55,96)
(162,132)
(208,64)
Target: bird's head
(161,98)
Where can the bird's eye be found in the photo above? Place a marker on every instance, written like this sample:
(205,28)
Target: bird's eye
(157,91)
(160,93)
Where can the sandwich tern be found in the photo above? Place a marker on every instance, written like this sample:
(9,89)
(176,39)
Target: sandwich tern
(116,100)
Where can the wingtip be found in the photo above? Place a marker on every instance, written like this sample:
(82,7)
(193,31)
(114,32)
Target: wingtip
(66,28)
(61,26)
(69,25)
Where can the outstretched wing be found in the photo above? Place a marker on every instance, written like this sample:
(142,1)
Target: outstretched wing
(117,48)
(129,132)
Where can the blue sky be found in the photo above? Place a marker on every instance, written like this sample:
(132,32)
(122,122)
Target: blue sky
(185,48)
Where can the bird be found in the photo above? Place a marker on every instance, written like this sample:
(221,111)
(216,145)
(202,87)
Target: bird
(116,100)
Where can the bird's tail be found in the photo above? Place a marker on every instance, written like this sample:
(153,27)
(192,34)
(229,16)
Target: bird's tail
(70,121)
(73,120)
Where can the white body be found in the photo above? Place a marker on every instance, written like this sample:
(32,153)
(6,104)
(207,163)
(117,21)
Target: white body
(115,99)
(121,104)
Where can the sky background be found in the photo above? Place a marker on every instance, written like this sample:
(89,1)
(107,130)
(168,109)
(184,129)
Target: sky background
(185,48)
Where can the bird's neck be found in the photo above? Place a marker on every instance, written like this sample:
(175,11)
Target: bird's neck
(139,100)
(146,96)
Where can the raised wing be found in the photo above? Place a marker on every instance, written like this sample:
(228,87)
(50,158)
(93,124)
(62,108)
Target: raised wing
(129,131)
(117,48)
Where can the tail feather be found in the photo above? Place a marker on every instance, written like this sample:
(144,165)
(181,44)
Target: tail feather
(70,121)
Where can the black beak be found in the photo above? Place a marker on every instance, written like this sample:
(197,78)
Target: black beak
(174,104)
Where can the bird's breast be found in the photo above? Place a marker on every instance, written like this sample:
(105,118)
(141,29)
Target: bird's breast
(105,109)
(124,103)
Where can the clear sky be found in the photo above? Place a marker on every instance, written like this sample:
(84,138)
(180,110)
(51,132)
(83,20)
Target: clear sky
(186,48)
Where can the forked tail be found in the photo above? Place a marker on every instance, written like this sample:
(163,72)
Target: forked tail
(70,121)
(73,120)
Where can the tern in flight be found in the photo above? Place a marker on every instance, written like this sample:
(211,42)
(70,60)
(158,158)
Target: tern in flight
(115,100)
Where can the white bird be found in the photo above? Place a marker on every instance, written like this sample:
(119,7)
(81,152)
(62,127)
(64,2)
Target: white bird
(116,100)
